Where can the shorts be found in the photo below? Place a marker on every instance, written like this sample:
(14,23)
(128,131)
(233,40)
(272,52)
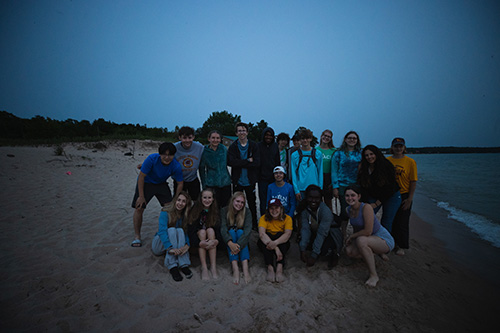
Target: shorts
(160,191)
(386,236)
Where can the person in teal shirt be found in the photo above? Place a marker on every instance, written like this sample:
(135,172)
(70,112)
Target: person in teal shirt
(327,148)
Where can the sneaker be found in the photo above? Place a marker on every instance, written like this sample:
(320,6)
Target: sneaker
(176,275)
(333,260)
(187,272)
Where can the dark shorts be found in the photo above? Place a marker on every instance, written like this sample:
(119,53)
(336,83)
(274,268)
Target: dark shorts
(160,191)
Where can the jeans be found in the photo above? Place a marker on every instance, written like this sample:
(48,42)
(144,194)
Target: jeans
(389,210)
(178,240)
(244,253)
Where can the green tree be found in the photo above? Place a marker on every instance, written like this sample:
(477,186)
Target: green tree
(221,121)
(255,131)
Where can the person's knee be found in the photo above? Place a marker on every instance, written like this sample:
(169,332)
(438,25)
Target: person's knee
(362,241)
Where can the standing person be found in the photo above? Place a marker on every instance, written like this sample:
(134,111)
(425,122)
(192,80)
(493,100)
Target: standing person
(295,146)
(235,228)
(269,158)
(318,230)
(172,239)
(369,236)
(152,181)
(204,220)
(406,176)
(213,169)
(307,165)
(345,163)
(275,229)
(377,180)
(327,148)
(244,159)
(283,191)
(283,147)
(189,156)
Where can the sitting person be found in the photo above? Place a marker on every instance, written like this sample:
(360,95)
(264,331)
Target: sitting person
(204,218)
(319,230)
(171,238)
(369,235)
(275,229)
(236,227)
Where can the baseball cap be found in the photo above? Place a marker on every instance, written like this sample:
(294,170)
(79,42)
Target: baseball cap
(274,202)
(279,169)
(398,141)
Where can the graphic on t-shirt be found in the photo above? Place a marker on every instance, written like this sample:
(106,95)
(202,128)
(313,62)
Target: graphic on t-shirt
(187,163)
(399,170)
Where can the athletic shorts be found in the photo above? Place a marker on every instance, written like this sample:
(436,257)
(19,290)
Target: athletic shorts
(160,191)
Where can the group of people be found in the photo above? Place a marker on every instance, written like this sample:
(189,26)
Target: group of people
(296,188)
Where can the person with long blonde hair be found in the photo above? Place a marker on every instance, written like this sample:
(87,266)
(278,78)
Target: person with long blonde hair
(171,238)
(236,227)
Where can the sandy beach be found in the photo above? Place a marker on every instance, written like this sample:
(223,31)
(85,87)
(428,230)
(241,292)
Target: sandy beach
(67,265)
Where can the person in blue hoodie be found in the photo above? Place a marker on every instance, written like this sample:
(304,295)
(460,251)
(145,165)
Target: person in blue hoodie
(269,159)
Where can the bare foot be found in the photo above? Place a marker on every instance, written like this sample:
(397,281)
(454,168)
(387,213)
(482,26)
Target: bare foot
(213,270)
(204,274)
(271,277)
(279,274)
(246,273)
(384,257)
(400,252)
(247,278)
(372,281)
(236,277)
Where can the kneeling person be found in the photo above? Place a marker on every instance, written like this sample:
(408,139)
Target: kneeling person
(319,230)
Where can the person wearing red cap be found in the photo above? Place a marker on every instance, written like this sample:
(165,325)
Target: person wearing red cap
(275,229)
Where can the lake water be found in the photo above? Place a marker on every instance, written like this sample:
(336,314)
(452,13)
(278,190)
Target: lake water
(466,187)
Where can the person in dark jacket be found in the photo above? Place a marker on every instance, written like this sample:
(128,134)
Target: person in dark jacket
(244,159)
(269,159)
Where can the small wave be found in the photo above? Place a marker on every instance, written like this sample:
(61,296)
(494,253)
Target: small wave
(480,225)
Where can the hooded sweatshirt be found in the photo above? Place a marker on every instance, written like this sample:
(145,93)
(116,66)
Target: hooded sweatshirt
(269,157)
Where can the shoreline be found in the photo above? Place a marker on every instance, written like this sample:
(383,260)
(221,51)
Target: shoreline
(67,264)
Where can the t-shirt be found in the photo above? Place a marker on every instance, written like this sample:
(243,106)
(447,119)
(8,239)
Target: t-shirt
(308,171)
(189,159)
(327,158)
(286,195)
(275,226)
(157,172)
(406,172)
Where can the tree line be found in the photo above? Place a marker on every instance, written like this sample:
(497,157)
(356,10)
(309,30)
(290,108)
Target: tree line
(39,129)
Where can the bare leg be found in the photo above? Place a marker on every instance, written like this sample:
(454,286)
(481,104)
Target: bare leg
(202,235)
(367,246)
(271,276)
(212,252)
(138,222)
(279,273)
(246,272)
(236,272)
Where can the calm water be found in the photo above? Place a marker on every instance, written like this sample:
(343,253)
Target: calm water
(466,186)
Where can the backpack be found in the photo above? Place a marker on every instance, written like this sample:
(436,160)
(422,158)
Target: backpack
(313,157)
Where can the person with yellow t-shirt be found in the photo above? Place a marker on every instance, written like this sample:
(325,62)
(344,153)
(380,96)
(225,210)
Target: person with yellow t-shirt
(406,176)
(275,229)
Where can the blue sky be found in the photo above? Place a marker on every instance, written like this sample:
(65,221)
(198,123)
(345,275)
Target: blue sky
(425,70)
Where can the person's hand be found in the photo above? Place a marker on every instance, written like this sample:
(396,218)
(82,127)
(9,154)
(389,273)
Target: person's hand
(139,166)
(279,255)
(250,159)
(348,240)
(212,244)
(298,197)
(184,249)
(234,247)
(374,205)
(336,192)
(204,244)
(406,204)
(141,201)
(271,245)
